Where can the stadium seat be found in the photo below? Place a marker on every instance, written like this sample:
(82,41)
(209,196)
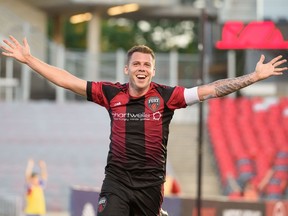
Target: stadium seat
(250,139)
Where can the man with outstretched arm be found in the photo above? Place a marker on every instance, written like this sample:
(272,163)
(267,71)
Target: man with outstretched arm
(140,112)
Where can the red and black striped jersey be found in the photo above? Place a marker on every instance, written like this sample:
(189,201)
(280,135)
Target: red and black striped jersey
(139,130)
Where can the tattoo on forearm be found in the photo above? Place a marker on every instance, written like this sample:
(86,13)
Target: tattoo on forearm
(226,86)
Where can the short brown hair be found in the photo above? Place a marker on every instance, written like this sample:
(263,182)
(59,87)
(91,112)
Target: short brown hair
(141,49)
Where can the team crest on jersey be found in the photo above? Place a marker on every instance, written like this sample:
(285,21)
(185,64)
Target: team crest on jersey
(102,204)
(153,103)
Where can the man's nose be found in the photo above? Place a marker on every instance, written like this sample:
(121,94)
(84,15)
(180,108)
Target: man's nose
(141,68)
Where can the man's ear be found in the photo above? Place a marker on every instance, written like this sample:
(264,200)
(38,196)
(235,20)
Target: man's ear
(126,69)
(154,72)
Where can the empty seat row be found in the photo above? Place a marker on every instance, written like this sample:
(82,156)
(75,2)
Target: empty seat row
(249,138)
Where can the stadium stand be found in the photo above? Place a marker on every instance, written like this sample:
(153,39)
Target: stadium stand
(249,141)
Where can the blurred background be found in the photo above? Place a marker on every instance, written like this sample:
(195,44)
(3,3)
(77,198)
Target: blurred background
(196,41)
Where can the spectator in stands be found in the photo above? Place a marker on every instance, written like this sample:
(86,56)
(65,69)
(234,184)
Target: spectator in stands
(275,185)
(35,198)
(251,190)
(140,112)
(270,186)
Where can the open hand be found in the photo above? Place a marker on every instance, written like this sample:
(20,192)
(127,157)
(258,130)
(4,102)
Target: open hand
(15,50)
(271,68)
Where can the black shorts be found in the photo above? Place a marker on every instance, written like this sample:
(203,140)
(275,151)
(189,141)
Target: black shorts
(116,199)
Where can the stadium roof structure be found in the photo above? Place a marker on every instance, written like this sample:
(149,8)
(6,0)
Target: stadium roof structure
(254,35)
(172,9)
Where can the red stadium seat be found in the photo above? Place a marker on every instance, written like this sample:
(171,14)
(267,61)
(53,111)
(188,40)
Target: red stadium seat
(255,129)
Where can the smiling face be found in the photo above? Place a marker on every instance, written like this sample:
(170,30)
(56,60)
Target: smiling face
(140,68)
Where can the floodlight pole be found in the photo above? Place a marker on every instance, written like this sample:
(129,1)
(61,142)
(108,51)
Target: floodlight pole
(201,112)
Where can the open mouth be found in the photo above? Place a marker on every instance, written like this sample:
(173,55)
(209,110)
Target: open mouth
(141,76)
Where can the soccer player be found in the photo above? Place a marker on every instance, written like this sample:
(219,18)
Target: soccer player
(140,112)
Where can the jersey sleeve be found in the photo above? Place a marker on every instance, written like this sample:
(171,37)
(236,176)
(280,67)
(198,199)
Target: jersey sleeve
(176,99)
(95,93)
(182,97)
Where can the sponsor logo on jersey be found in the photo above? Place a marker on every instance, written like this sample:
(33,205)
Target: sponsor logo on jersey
(136,116)
(157,116)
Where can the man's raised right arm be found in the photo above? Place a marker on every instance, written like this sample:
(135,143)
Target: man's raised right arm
(58,76)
